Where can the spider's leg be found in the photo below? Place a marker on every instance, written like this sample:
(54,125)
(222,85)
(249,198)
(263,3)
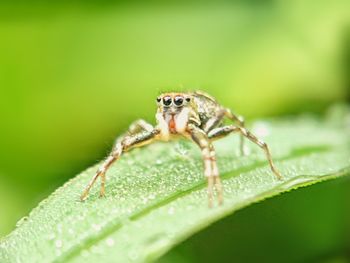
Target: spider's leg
(209,159)
(123,144)
(223,131)
(216,175)
(214,121)
(100,172)
(139,125)
(240,121)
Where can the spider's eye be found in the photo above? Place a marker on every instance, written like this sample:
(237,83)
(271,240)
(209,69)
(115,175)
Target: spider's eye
(167,101)
(188,99)
(158,99)
(178,100)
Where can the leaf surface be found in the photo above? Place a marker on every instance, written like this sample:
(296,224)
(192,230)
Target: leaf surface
(156,196)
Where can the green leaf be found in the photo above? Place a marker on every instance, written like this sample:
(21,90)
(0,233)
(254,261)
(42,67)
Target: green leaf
(156,196)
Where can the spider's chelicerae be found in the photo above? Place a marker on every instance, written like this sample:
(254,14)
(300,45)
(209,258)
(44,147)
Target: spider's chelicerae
(193,115)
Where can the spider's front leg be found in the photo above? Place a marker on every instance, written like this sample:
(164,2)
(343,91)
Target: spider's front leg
(211,170)
(139,134)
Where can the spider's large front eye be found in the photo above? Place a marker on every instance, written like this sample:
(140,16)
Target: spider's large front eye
(167,101)
(178,100)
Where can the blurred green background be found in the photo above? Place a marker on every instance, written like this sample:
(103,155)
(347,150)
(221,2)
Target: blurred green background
(74,74)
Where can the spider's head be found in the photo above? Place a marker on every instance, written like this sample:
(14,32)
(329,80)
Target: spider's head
(173,111)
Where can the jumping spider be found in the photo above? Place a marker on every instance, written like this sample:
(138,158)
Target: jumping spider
(193,115)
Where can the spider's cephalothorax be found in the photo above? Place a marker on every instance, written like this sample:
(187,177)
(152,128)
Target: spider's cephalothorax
(194,115)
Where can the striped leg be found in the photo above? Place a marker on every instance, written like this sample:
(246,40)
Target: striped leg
(240,120)
(209,159)
(139,125)
(125,143)
(214,121)
(223,131)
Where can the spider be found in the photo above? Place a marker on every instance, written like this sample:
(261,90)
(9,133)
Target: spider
(193,115)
